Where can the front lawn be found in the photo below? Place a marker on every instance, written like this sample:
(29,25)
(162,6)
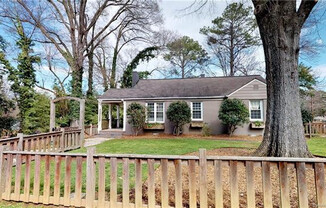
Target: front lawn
(317,146)
(166,146)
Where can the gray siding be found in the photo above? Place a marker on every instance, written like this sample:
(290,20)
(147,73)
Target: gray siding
(252,91)
(255,90)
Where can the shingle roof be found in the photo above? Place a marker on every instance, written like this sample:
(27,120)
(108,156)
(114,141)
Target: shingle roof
(181,88)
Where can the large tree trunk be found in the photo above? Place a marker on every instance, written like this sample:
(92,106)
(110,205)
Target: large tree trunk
(280,27)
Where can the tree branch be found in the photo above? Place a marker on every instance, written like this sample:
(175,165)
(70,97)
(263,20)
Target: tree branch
(304,10)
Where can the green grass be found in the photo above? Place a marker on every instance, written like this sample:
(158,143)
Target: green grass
(161,146)
(317,146)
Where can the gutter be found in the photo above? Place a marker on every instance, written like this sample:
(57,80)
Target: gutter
(165,98)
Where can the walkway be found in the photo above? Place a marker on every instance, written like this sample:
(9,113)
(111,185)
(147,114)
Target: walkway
(92,141)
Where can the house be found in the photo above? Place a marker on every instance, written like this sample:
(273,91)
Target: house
(204,96)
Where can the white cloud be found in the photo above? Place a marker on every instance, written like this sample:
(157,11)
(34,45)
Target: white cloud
(319,41)
(320,70)
(175,17)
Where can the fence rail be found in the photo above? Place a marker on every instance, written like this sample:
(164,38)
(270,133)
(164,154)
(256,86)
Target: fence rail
(314,128)
(113,180)
(58,141)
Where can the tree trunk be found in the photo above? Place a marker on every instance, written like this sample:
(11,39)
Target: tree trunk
(90,73)
(232,72)
(114,65)
(280,29)
(105,79)
(76,82)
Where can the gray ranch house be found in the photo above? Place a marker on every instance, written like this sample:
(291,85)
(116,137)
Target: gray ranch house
(204,96)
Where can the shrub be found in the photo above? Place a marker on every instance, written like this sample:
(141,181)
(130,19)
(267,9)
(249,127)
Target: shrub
(137,117)
(179,113)
(233,113)
(306,116)
(206,131)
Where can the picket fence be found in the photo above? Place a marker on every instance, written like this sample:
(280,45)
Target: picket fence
(126,180)
(315,128)
(58,141)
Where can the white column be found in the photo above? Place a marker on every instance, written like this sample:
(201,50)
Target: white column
(118,116)
(124,115)
(110,116)
(99,116)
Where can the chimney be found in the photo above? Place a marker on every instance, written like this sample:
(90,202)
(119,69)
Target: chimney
(202,75)
(135,78)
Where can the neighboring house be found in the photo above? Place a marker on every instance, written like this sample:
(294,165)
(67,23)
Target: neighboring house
(320,119)
(204,96)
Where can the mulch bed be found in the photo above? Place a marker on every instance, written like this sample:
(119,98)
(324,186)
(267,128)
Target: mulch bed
(241,183)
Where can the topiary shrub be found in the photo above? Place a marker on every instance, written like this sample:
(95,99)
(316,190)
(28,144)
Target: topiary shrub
(136,117)
(233,113)
(179,113)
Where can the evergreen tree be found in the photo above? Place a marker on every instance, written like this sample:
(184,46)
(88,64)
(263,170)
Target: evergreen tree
(37,118)
(230,37)
(22,77)
(146,54)
(186,56)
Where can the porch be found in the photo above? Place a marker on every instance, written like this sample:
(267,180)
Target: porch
(111,117)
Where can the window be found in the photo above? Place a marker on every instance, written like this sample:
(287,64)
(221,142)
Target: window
(256,110)
(197,111)
(155,112)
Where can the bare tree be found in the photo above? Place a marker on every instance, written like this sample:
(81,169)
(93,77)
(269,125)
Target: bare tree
(67,24)
(101,63)
(52,61)
(137,26)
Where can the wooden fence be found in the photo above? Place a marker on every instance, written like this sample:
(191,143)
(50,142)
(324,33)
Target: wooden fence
(97,180)
(91,130)
(315,128)
(58,141)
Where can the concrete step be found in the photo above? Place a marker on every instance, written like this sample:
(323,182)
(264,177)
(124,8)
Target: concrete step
(111,134)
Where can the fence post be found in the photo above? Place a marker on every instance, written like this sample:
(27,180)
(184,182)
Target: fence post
(90,177)
(91,130)
(20,142)
(62,140)
(2,172)
(203,178)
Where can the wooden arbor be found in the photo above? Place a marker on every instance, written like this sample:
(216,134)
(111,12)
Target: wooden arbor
(81,114)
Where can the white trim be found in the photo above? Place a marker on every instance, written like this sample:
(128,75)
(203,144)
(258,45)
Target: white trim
(201,111)
(99,116)
(261,103)
(245,86)
(124,115)
(110,116)
(155,113)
